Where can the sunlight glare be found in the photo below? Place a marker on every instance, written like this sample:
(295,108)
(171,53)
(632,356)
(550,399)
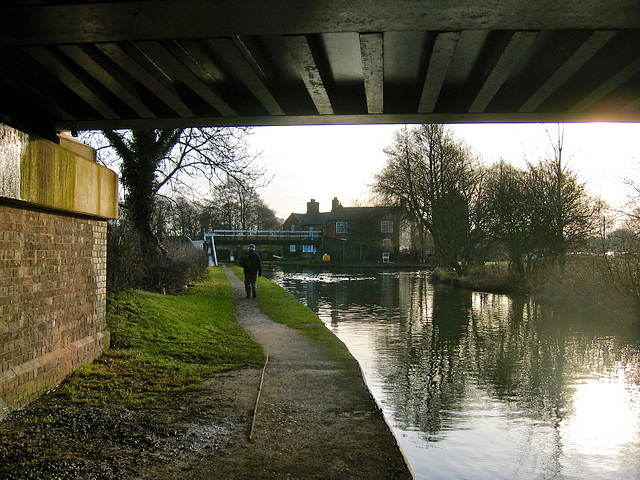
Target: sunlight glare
(605,416)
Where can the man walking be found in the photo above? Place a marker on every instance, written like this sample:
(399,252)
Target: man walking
(252,265)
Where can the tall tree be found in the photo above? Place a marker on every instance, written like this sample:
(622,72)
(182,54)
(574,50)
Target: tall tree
(177,217)
(538,214)
(240,207)
(564,216)
(152,160)
(432,173)
(508,215)
(141,153)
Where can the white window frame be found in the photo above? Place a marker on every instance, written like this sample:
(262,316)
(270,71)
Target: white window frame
(386,226)
(342,227)
(309,248)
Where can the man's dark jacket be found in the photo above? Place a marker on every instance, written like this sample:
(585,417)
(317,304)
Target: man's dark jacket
(255,264)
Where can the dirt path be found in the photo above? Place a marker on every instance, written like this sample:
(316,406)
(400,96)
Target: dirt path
(315,419)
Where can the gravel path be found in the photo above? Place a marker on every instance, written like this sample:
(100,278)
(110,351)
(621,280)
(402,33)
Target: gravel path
(315,418)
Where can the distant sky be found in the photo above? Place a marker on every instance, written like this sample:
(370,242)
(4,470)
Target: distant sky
(323,162)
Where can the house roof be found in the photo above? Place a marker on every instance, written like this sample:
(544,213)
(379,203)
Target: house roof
(345,214)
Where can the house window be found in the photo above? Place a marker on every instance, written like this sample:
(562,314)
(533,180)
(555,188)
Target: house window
(386,226)
(292,248)
(341,227)
(309,248)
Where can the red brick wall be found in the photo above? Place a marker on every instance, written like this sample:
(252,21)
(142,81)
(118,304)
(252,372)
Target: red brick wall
(52,300)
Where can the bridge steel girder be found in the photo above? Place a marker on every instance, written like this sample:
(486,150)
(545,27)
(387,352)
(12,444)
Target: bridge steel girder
(179,63)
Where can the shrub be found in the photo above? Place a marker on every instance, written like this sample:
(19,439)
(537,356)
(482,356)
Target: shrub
(128,268)
(183,265)
(125,264)
(589,284)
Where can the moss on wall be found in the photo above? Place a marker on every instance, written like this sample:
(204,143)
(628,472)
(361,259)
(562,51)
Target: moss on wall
(42,173)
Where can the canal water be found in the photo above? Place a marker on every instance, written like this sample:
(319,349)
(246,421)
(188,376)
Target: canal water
(485,386)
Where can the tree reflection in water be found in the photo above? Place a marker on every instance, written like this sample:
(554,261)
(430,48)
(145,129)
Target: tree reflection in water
(478,385)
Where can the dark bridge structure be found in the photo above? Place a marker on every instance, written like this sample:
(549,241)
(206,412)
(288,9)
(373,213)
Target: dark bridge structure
(87,64)
(70,65)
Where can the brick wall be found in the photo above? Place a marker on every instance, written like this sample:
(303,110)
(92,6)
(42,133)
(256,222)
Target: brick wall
(52,299)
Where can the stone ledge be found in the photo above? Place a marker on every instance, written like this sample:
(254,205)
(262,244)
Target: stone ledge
(67,178)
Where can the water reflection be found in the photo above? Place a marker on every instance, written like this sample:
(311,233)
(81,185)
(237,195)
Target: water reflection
(486,386)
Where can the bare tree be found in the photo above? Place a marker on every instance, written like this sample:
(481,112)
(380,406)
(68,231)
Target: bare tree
(563,215)
(153,161)
(433,174)
(539,214)
(239,207)
(507,213)
(622,247)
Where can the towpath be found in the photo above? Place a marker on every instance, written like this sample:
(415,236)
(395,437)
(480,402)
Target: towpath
(315,418)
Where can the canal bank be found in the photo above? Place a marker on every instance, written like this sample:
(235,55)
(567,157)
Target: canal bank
(314,417)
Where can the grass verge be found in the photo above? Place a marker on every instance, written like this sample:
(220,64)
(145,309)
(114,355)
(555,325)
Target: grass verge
(282,307)
(162,345)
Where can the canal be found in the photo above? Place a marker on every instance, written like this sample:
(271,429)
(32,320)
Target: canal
(486,386)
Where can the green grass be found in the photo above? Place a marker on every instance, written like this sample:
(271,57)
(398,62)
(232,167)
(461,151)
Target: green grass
(162,345)
(166,345)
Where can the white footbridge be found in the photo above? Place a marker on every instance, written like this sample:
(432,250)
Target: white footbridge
(258,237)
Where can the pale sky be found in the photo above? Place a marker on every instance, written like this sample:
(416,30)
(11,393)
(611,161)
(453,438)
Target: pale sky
(323,162)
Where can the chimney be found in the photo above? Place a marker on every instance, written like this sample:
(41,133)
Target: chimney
(313,207)
(335,204)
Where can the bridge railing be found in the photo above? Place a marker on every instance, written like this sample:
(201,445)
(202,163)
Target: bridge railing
(264,237)
(285,235)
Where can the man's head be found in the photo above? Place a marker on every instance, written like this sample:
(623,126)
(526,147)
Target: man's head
(252,247)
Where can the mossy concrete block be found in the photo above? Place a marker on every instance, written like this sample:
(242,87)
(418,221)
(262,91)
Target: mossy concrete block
(108,193)
(86,196)
(12,143)
(42,173)
(82,149)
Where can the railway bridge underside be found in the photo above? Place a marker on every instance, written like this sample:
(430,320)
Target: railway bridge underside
(175,63)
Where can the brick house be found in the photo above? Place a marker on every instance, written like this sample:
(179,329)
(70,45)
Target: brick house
(352,233)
